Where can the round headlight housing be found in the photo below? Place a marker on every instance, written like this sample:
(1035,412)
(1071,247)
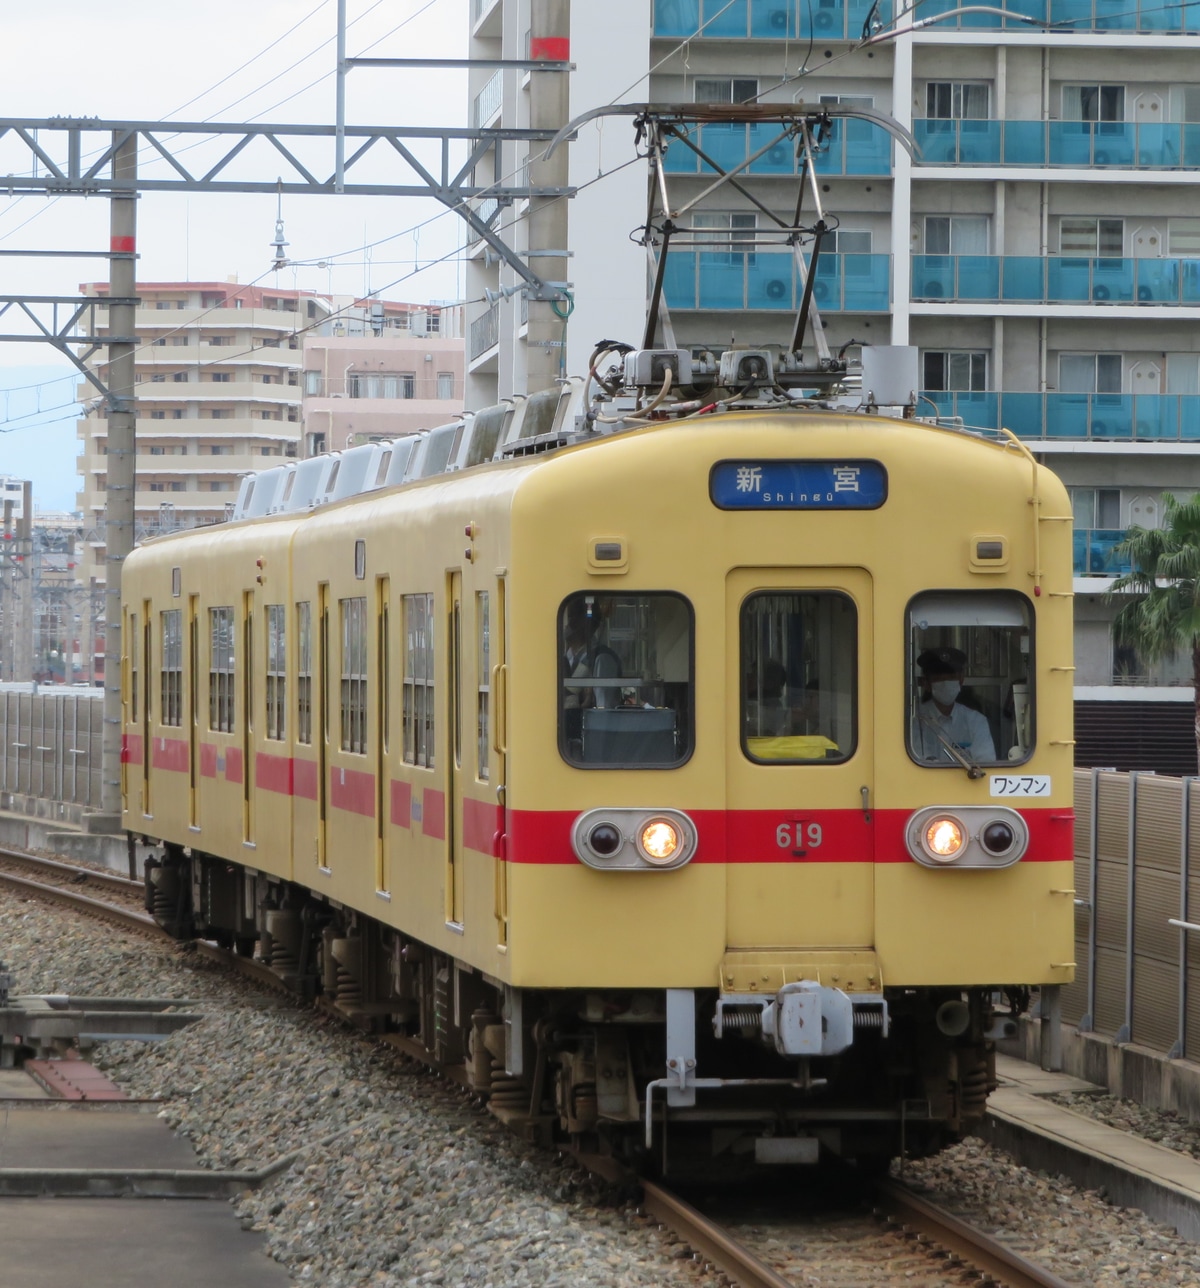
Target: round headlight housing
(658,841)
(604,840)
(943,838)
(998,838)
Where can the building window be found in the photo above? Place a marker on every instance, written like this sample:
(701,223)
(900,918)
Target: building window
(956,234)
(172,667)
(219,485)
(445,384)
(220,449)
(177,414)
(1096,507)
(219,413)
(180,340)
(956,101)
(725,89)
(161,341)
(433,323)
(158,487)
(180,377)
(954,370)
(212,299)
(158,379)
(1093,102)
(1089,373)
(1184,238)
(314,383)
(354,674)
(175,487)
(847,241)
(1183,373)
(382,384)
(725,238)
(418,680)
(276,672)
(220,670)
(484,680)
(157,415)
(220,377)
(304,672)
(1101,237)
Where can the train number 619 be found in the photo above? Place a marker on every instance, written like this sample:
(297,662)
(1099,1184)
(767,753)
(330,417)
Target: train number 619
(798,835)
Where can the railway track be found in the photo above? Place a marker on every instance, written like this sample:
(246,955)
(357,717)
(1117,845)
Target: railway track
(905,1239)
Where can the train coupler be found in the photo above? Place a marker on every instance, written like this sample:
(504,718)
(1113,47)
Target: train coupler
(803,1018)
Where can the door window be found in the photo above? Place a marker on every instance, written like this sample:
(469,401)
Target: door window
(798,666)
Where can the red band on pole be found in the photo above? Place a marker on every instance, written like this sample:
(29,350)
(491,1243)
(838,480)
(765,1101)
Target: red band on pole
(555,49)
(122,244)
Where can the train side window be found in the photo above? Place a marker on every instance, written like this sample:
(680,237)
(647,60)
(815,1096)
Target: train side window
(354,674)
(220,670)
(172,667)
(970,678)
(133,667)
(419,710)
(304,673)
(276,672)
(799,660)
(625,680)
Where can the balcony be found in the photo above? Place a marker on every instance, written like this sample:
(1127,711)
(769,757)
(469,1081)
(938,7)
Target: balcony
(1079,15)
(1097,418)
(1055,279)
(487,101)
(853,148)
(484,333)
(1095,552)
(835,19)
(735,280)
(1080,145)
(765,19)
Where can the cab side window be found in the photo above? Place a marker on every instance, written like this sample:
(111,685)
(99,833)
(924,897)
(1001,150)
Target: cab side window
(625,680)
(970,698)
(798,667)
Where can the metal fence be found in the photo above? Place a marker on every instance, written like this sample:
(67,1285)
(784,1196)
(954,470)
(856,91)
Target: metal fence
(1137,880)
(50,745)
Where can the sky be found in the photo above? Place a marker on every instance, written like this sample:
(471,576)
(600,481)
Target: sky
(230,61)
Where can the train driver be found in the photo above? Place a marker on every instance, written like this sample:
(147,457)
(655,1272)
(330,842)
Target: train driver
(942,717)
(587,657)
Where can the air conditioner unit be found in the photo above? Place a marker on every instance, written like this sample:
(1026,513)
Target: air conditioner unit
(776,288)
(778,20)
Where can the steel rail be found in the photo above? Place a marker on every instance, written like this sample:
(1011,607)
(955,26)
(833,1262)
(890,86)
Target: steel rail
(947,1231)
(122,917)
(709,1239)
(109,879)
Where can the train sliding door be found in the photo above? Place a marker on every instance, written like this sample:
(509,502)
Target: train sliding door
(800,768)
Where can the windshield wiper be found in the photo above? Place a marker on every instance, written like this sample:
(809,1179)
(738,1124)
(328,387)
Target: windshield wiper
(973,770)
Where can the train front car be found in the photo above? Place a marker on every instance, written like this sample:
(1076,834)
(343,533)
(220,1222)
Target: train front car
(789,779)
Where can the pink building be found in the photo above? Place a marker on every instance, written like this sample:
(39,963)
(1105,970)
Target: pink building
(362,388)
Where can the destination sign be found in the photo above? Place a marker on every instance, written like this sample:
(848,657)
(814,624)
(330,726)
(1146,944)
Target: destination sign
(798,485)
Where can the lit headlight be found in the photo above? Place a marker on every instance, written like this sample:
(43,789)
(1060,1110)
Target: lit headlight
(659,841)
(943,838)
(967,836)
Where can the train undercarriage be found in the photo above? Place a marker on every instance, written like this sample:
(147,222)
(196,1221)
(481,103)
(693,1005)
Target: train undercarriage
(666,1079)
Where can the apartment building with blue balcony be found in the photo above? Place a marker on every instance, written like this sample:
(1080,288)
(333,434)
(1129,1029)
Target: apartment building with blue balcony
(1041,249)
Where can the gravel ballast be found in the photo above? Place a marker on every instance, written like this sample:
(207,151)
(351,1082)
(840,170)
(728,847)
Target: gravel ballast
(403,1180)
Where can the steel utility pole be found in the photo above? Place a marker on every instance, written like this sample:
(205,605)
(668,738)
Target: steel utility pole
(122,429)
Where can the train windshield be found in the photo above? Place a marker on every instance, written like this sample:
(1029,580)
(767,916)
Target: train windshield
(625,680)
(970,678)
(798,660)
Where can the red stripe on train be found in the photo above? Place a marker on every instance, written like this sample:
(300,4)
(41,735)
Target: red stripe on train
(304,779)
(131,748)
(352,790)
(273,773)
(770,836)
(170,753)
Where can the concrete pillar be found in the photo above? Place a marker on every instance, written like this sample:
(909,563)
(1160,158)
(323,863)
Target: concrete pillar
(119,498)
(549,107)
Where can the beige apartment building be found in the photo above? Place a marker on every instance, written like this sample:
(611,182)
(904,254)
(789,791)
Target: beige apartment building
(220,393)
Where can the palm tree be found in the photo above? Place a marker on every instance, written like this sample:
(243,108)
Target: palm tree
(1164,615)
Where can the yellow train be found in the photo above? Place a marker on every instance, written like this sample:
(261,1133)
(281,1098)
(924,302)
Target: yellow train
(694,773)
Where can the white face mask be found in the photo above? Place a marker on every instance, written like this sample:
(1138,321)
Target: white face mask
(945,691)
